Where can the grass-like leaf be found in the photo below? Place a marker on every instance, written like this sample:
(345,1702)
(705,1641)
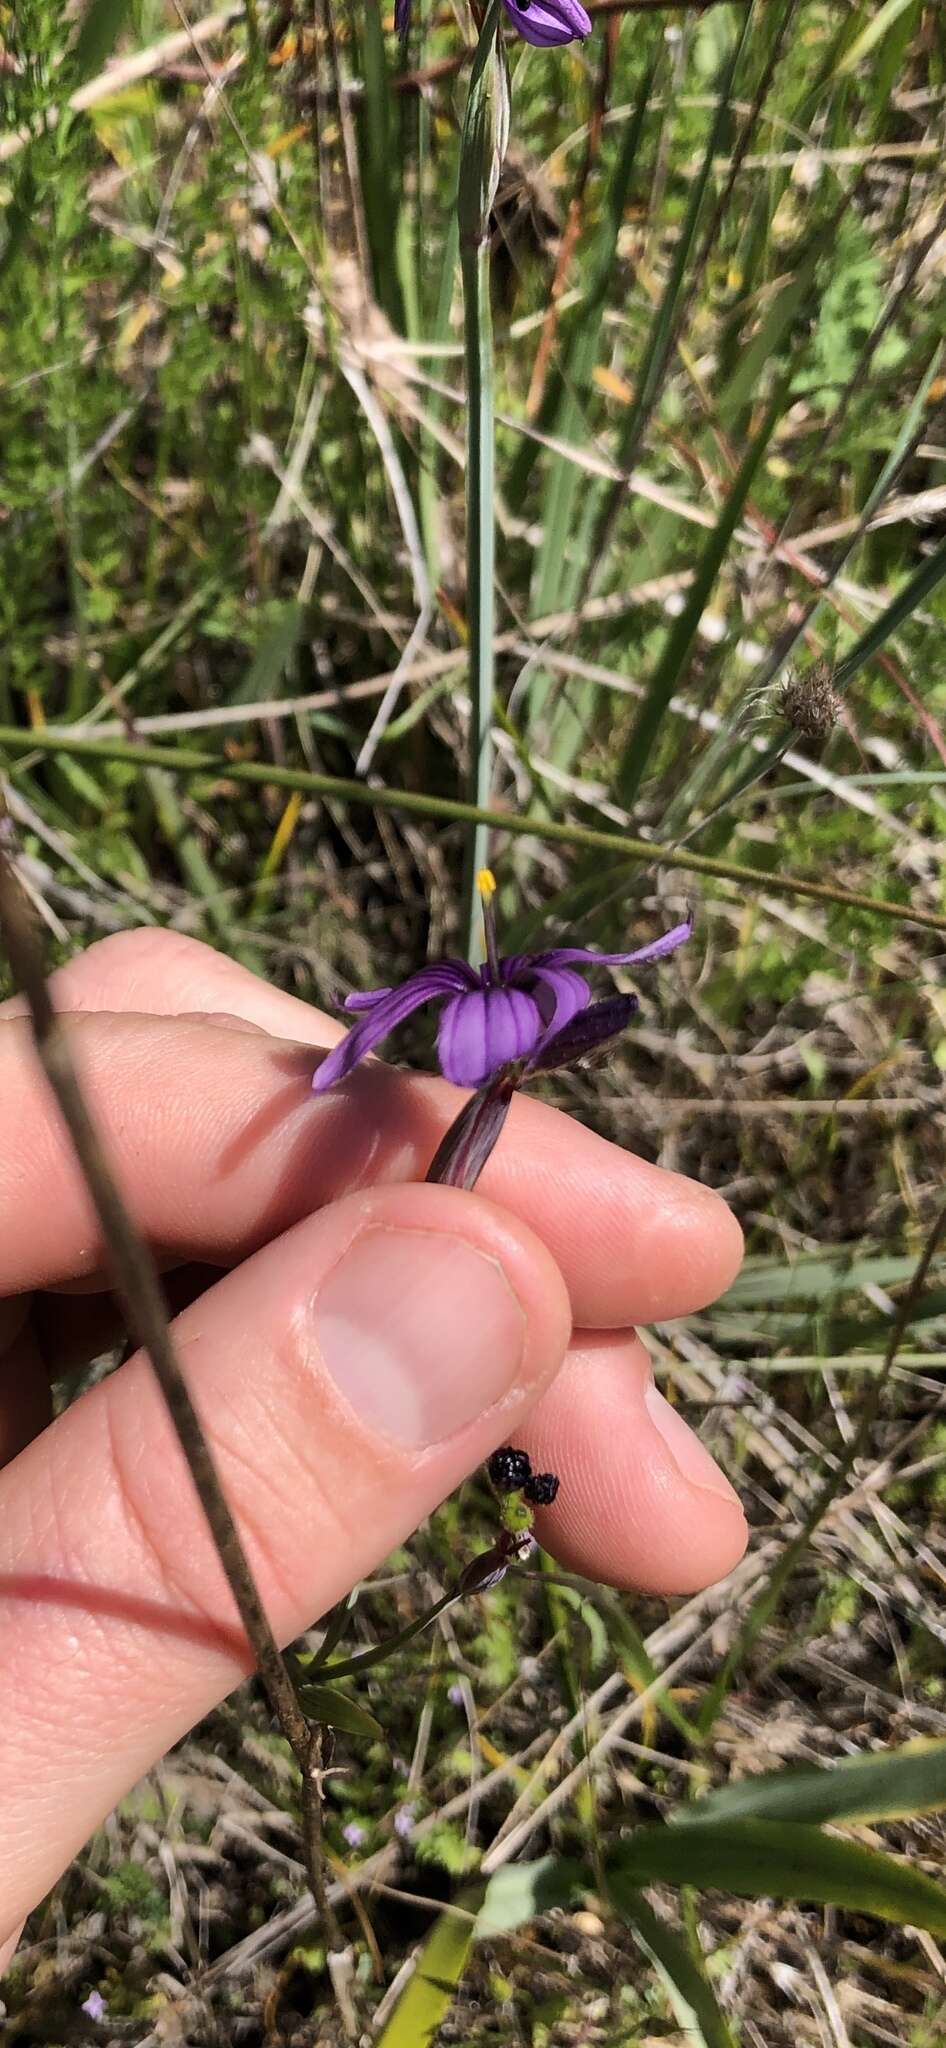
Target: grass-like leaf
(687,1986)
(891,1785)
(784,1859)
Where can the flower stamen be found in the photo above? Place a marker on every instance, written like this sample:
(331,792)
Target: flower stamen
(486,886)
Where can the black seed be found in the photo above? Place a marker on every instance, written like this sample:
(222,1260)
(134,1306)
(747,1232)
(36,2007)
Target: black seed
(541,1489)
(508,1469)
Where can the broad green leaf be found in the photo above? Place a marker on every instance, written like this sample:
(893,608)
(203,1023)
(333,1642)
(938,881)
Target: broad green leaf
(784,1859)
(889,1785)
(324,1703)
(521,1891)
(688,1989)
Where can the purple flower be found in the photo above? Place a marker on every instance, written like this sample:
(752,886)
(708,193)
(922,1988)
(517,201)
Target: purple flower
(547,22)
(530,1007)
(455,1695)
(404,1821)
(353,1833)
(94,2005)
(542,22)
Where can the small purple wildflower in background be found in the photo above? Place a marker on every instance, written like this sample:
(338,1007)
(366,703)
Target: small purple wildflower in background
(455,1695)
(94,2005)
(353,1833)
(542,22)
(404,1821)
(530,1007)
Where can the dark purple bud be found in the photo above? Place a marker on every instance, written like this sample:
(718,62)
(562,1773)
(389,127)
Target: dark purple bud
(484,1571)
(586,1033)
(541,1489)
(402,17)
(462,1153)
(492,1565)
(509,1469)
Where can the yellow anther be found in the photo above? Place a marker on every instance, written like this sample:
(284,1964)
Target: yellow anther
(486,884)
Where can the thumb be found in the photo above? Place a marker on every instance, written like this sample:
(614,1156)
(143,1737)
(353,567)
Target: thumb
(348,1376)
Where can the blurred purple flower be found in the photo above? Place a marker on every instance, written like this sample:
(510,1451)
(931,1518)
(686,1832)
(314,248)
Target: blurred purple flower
(532,1007)
(404,1821)
(353,1833)
(543,22)
(547,22)
(455,1695)
(94,2005)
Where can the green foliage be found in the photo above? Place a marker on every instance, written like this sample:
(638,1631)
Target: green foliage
(852,302)
(199,515)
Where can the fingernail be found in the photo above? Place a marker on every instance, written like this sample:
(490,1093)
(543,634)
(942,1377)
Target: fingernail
(688,1454)
(420,1332)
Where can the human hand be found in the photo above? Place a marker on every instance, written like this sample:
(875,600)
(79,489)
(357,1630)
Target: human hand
(355,1344)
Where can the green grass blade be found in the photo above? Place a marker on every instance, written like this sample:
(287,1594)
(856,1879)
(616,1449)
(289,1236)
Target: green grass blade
(765,1283)
(687,1986)
(663,327)
(190,761)
(666,678)
(381,183)
(101,27)
(783,1859)
(557,573)
(894,1785)
(512,1897)
(430,1991)
(901,608)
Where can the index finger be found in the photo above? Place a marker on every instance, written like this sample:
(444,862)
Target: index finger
(220,1145)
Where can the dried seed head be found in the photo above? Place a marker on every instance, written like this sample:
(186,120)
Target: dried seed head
(810,702)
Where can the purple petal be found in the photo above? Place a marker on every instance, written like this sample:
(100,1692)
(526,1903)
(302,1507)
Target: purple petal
(560,995)
(547,22)
(402,17)
(585,1033)
(383,1017)
(462,977)
(564,956)
(365,999)
(480,1032)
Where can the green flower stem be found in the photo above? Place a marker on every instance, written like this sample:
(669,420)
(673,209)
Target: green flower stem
(365,1659)
(482,148)
(270,775)
(480,542)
